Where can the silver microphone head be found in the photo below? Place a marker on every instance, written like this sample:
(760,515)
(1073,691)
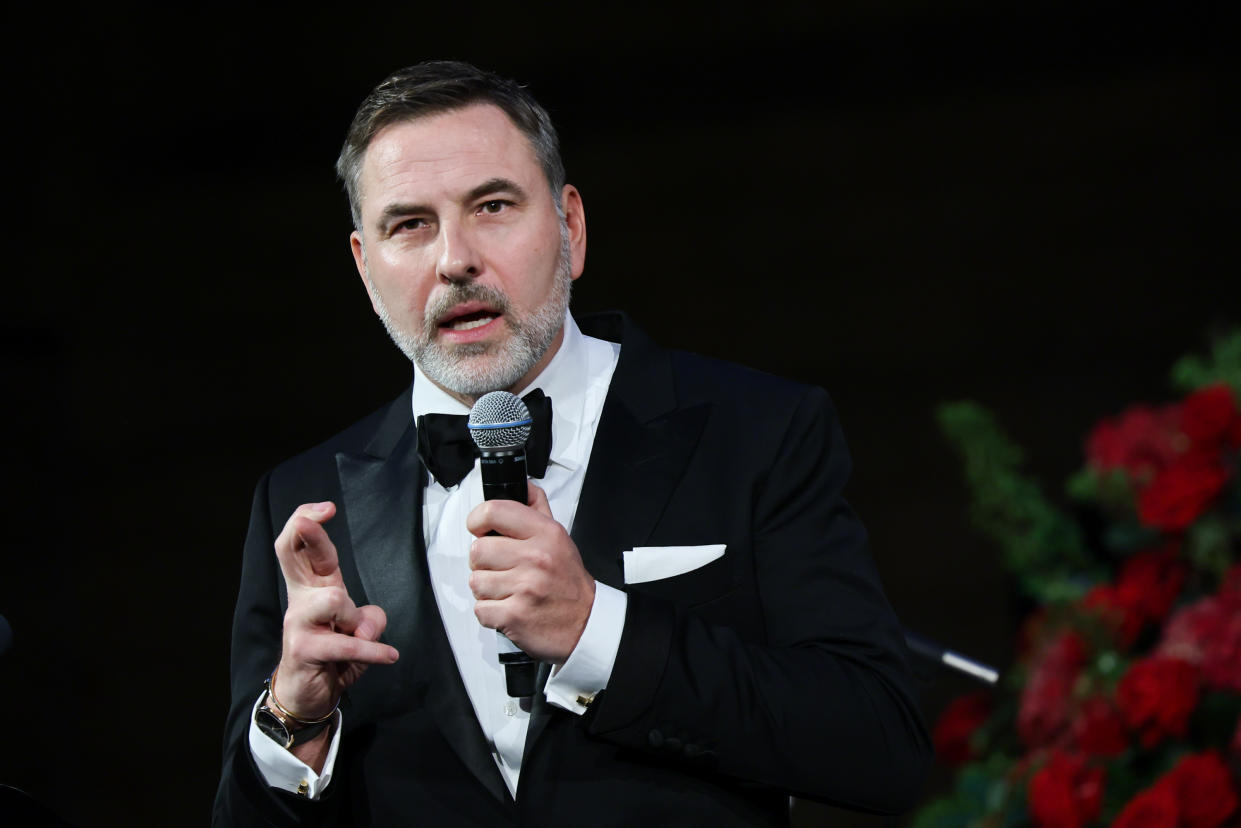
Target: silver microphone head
(499,419)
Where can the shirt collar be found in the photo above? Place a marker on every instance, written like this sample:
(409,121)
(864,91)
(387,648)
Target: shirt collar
(566,380)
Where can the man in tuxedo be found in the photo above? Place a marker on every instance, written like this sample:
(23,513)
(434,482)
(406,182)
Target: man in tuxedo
(711,632)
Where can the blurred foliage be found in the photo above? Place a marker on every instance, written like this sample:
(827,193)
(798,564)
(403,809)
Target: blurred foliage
(1041,545)
(1223,364)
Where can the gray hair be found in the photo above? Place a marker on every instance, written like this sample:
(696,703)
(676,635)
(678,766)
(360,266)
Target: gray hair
(437,86)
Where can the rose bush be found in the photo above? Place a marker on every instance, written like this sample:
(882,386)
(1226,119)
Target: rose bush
(1123,706)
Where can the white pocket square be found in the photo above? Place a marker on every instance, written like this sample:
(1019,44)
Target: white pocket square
(651,563)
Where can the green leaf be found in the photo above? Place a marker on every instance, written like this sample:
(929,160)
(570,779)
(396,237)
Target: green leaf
(1039,544)
(1084,485)
(947,812)
(1208,544)
(1223,365)
(1111,490)
(983,791)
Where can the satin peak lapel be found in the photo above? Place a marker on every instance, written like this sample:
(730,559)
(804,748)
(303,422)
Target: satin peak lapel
(383,507)
(383,497)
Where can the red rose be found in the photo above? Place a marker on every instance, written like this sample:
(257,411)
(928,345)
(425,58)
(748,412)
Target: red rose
(1204,790)
(1098,729)
(1150,581)
(1207,634)
(1043,712)
(957,724)
(1156,697)
(1142,441)
(1221,657)
(1180,493)
(1210,419)
(1065,793)
(1148,584)
(1153,808)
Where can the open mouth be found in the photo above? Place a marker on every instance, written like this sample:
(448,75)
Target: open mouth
(469,319)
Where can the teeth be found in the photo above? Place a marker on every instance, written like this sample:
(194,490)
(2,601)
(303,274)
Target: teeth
(472,324)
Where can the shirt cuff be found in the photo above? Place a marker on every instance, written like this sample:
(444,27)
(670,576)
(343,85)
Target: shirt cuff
(589,666)
(281,769)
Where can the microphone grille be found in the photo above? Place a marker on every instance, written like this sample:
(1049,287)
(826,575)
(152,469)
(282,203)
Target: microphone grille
(499,419)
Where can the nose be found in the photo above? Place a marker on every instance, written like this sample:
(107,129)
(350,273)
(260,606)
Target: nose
(459,258)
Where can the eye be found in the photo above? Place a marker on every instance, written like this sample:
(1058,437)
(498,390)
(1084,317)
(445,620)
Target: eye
(492,207)
(411,224)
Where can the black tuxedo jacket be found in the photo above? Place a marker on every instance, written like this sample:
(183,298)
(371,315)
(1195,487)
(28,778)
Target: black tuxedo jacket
(775,669)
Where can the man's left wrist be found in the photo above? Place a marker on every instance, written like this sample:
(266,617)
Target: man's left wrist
(284,730)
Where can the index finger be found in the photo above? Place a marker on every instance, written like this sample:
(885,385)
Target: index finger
(307,555)
(537,500)
(504,517)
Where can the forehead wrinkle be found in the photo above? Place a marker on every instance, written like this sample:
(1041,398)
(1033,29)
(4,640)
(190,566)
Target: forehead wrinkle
(460,185)
(454,158)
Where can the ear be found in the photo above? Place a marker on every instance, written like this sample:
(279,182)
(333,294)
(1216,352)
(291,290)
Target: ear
(359,260)
(575,218)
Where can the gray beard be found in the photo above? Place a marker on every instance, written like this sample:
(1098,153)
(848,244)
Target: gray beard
(475,368)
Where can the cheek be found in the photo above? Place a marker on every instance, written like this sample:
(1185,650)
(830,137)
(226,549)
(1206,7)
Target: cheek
(539,269)
(400,285)
(415,303)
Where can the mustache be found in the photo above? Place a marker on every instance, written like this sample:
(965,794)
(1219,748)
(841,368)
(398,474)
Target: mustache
(458,293)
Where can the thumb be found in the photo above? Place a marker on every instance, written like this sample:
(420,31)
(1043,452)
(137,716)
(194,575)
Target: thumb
(371,623)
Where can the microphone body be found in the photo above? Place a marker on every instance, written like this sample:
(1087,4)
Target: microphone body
(504,474)
(500,425)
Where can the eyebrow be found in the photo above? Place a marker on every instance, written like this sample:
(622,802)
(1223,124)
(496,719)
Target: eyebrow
(489,187)
(496,185)
(401,208)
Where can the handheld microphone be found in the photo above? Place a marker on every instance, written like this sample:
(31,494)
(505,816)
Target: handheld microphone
(500,424)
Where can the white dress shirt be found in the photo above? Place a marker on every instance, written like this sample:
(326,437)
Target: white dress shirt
(576,379)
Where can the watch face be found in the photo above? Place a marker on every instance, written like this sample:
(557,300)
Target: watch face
(272,727)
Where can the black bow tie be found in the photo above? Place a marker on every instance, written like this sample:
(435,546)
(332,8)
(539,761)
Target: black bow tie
(448,451)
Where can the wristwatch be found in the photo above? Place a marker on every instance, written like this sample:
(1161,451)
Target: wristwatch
(281,726)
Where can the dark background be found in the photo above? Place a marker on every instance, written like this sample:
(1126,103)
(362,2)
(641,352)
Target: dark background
(905,202)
